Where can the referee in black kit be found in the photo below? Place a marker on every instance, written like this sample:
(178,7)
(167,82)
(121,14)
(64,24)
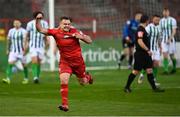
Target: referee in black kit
(142,56)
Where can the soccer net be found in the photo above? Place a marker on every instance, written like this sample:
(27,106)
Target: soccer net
(103,20)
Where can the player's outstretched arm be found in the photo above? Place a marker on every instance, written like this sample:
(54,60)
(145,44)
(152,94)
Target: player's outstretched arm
(38,25)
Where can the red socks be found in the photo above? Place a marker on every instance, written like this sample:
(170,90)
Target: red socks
(64,94)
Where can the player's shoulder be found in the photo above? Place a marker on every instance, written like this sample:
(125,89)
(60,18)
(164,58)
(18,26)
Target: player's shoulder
(54,30)
(11,29)
(141,29)
(30,23)
(172,18)
(150,25)
(134,22)
(162,19)
(23,29)
(128,22)
(73,29)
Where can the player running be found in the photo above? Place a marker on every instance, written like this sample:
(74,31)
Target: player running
(168,27)
(36,45)
(16,50)
(71,60)
(153,31)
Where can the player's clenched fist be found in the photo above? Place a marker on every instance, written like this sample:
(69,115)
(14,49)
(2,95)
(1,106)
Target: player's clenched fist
(78,36)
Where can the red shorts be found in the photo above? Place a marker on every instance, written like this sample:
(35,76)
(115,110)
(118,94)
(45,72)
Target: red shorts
(73,66)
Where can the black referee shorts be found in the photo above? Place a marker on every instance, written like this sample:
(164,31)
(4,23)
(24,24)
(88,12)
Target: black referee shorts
(142,61)
(125,44)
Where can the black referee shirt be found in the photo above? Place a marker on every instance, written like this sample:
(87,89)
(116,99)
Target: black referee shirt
(142,34)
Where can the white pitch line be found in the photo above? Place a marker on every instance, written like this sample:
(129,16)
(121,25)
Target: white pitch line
(55,91)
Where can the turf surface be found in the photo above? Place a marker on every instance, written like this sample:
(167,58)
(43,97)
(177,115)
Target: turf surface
(104,98)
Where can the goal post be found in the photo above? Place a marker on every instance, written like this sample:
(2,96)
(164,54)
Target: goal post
(52,42)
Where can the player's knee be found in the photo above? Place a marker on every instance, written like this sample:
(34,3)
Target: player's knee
(64,78)
(172,56)
(165,55)
(155,63)
(149,70)
(12,62)
(34,60)
(135,72)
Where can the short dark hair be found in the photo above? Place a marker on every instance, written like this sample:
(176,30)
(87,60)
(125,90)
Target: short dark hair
(144,19)
(166,9)
(155,15)
(65,18)
(36,13)
(138,12)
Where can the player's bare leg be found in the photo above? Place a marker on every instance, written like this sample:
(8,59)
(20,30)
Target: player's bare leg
(64,78)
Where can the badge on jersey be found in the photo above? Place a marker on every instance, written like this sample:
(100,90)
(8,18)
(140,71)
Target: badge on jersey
(140,34)
(66,36)
(69,35)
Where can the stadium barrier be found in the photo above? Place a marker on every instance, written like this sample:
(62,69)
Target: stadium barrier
(97,56)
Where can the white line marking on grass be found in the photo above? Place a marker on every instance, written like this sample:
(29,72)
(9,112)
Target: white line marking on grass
(55,91)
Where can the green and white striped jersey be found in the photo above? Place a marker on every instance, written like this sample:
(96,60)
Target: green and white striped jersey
(166,27)
(154,36)
(36,38)
(16,37)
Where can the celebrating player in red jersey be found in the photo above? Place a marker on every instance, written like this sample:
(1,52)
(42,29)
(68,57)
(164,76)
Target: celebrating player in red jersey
(71,61)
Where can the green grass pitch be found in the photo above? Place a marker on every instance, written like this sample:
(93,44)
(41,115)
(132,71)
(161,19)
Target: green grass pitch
(104,98)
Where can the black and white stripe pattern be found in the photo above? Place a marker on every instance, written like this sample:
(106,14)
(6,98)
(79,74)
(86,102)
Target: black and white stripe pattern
(36,38)
(166,27)
(17,36)
(154,36)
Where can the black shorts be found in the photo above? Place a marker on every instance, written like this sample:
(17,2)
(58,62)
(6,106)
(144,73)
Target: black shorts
(126,44)
(142,61)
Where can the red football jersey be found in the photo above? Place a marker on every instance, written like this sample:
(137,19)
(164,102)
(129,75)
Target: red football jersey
(68,45)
